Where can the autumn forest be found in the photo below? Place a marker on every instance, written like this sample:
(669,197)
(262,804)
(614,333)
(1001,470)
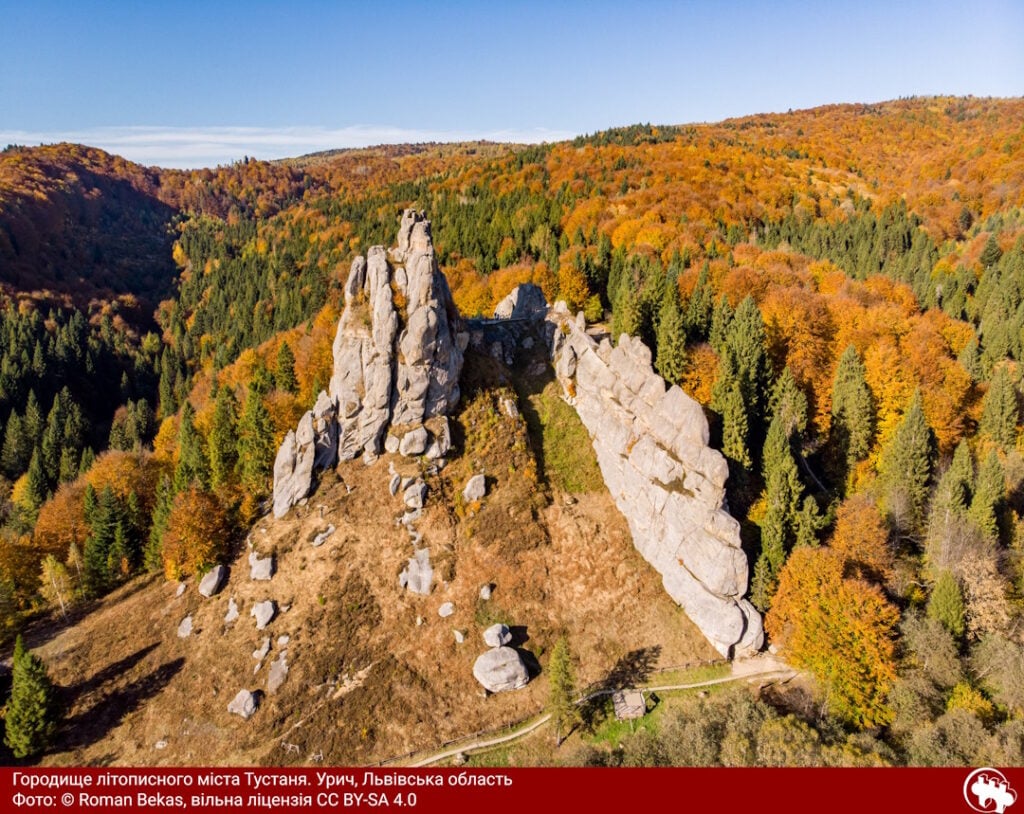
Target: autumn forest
(841,288)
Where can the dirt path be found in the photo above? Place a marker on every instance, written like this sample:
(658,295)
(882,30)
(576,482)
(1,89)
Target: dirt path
(759,667)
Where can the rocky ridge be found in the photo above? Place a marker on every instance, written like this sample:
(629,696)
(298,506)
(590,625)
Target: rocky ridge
(652,448)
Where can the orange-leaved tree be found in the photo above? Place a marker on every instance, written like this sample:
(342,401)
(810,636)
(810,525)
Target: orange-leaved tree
(840,629)
(198,533)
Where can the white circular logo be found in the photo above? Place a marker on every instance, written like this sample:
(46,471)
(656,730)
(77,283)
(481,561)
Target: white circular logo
(987,790)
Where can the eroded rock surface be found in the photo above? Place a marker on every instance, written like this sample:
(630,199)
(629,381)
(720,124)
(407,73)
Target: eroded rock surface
(652,448)
(501,669)
(398,354)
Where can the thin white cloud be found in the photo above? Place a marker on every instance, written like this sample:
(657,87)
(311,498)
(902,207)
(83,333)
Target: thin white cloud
(193,147)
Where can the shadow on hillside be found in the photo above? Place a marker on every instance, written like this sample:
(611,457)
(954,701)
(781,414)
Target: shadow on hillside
(96,722)
(108,673)
(632,670)
(47,626)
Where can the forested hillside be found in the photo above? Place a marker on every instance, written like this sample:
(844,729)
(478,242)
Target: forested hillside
(841,288)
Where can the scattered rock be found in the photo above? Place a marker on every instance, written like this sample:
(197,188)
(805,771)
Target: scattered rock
(497,635)
(181,589)
(441,439)
(213,581)
(185,627)
(394,484)
(264,612)
(501,669)
(244,704)
(232,613)
(416,495)
(261,568)
(260,652)
(391,443)
(476,489)
(323,536)
(282,641)
(446,610)
(278,673)
(161,744)
(485,592)
(414,442)
(418,574)
(460,637)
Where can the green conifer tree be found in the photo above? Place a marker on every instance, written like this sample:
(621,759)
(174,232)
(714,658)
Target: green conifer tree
(32,713)
(989,492)
(153,559)
(999,410)
(946,604)
(224,438)
(906,468)
(255,445)
(671,359)
(853,415)
(193,463)
(284,375)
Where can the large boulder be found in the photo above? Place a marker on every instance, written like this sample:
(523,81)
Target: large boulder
(501,669)
(211,584)
(264,613)
(244,704)
(651,443)
(523,302)
(475,489)
(261,569)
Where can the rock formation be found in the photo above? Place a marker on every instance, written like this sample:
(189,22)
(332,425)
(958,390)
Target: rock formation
(501,669)
(397,359)
(652,448)
(213,581)
(524,302)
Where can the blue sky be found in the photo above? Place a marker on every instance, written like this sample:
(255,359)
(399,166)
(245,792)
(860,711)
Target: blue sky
(199,83)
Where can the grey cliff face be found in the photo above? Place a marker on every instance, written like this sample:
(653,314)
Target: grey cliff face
(652,448)
(398,355)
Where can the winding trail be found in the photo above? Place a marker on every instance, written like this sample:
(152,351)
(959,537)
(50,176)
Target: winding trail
(769,667)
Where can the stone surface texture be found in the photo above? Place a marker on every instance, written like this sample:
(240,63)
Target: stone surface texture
(501,669)
(652,448)
(398,355)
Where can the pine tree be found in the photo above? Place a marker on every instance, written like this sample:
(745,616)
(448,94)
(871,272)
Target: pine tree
(32,712)
(671,359)
(153,559)
(97,575)
(906,467)
(255,445)
(946,604)
(853,415)
(284,376)
(782,498)
(999,410)
(721,319)
(989,491)
(562,691)
(36,486)
(626,315)
(32,423)
(727,401)
(224,438)
(14,456)
(193,463)
(991,253)
(700,307)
